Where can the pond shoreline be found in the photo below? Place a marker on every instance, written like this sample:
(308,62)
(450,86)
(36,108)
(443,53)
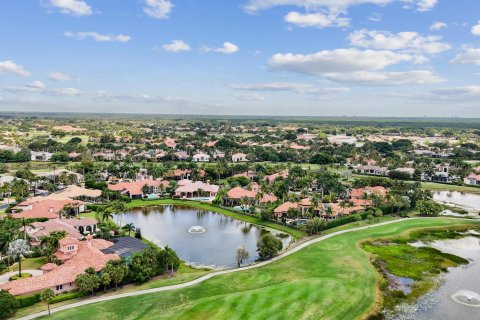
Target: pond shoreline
(404,278)
(295,233)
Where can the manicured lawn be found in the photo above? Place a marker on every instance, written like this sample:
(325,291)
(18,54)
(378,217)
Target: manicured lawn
(332,279)
(30,264)
(184,274)
(205,206)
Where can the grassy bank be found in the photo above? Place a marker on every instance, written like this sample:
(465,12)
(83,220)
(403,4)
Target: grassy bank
(332,279)
(421,264)
(448,187)
(297,234)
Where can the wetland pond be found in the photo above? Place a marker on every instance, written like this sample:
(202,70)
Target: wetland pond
(456,294)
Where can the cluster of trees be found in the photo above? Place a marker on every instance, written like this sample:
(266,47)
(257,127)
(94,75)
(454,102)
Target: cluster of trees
(10,156)
(268,246)
(143,266)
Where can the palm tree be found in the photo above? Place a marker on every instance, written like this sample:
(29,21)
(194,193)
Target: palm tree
(105,213)
(129,227)
(19,249)
(118,207)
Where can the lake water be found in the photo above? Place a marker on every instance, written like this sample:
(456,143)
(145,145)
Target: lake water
(211,243)
(463,199)
(458,296)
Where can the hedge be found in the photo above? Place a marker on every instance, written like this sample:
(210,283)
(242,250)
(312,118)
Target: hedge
(345,220)
(27,301)
(67,296)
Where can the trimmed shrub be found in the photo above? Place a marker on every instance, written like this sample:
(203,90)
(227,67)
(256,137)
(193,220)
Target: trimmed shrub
(67,296)
(27,301)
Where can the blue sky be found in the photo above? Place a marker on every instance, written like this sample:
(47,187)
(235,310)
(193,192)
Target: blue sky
(255,57)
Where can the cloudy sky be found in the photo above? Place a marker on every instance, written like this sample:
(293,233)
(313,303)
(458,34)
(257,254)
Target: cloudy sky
(254,57)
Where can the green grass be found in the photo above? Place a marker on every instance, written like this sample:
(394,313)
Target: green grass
(332,279)
(448,187)
(30,264)
(183,274)
(297,234)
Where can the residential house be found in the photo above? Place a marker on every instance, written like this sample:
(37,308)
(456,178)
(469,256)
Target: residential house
(75,257)
(201,157)
(239,157)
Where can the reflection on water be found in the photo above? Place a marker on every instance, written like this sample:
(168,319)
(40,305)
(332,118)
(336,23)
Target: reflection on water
(468,201)
(170,225)
(457,296)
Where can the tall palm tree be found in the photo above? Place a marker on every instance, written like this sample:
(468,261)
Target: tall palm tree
(118,207)
(19,249)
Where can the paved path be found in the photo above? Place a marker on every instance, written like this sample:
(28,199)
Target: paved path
(210,275)
(4,277)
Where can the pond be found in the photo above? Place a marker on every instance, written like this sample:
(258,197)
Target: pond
(467,201)
(458,296)
(201,238)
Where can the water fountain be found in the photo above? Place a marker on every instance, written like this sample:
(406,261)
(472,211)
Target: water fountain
(197,229)
(467,297)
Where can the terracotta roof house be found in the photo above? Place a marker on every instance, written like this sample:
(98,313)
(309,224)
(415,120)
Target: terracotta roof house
(282,209)
(239,157)
(361,192)
(196,189)
(75,192)
(473,179)
(237,193)
(46,208)
(170,143)
(181,155)
(76,256)
(135,189)
(271,178)
(75,228)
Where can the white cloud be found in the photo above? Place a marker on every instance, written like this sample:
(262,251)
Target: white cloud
(254,6)
(334,5)
(420,5)
(338,60)
(9,66)
(38,87)
(368,78)
(57,76)
(438,25)
(468,56)
(98,37)
(72,7)
(227,48)
(158,9)
(403,41)
(300,88)
(176,46)
(318,20)
(363,67)
(476,29)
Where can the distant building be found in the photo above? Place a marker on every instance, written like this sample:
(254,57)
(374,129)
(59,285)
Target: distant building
(239,157)
(201,157)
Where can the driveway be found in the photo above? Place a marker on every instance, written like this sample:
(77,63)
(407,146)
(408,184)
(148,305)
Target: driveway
(4,277)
